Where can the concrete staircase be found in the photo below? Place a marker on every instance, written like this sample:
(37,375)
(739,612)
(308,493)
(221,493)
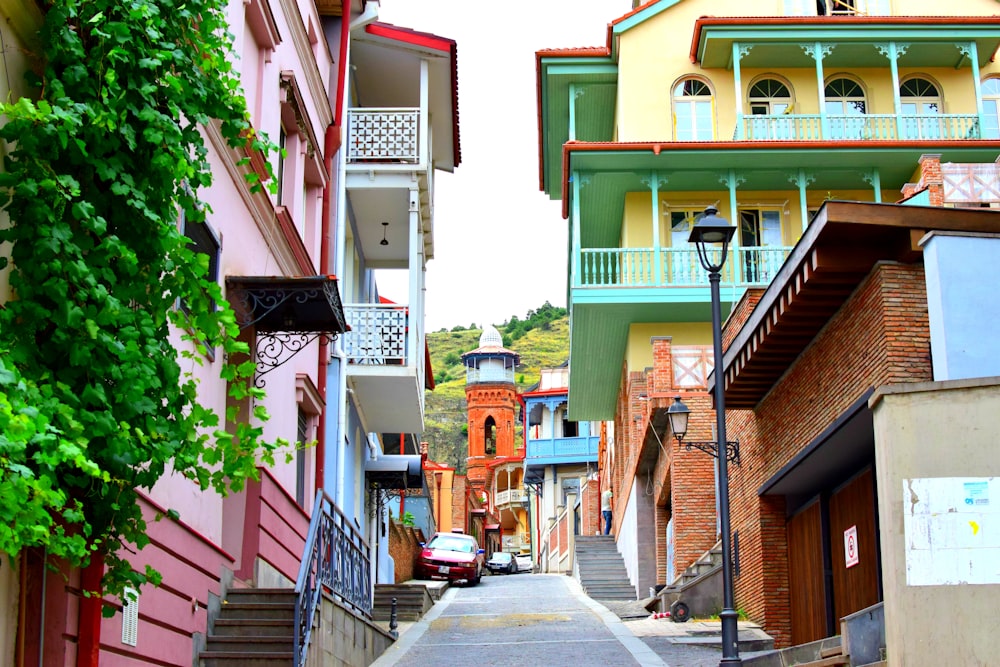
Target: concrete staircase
(254,629)
(412,601)
(601,569)
(699,586)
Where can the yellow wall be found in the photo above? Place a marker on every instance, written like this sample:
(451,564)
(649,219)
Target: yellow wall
(655,54)
(639,350)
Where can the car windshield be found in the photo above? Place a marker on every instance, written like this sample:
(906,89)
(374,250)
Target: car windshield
(501,557)
(451,543)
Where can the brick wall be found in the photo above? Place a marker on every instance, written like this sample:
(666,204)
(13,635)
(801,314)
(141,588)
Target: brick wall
(880,336)
(458,505)
(740,314)
(404,547)
(590,508)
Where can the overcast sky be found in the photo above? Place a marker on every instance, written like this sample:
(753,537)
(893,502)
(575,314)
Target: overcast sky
(500,243)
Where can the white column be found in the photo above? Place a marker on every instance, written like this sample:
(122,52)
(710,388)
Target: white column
(424,113)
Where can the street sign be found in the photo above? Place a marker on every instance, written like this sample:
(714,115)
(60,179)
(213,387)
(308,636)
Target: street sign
(851,546)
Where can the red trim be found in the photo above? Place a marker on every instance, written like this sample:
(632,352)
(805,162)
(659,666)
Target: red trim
(547,392)
(408,36)
(657,147)
(825,21)
(429,41)
(88,651)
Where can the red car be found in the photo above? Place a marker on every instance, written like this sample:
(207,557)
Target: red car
(451,556)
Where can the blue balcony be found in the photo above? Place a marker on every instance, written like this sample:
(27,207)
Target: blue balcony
(553,451)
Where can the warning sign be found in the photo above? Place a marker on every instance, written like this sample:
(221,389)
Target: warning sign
(851,546)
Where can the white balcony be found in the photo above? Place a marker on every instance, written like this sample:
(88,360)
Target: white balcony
(509,497)
(385,366)
(386,135)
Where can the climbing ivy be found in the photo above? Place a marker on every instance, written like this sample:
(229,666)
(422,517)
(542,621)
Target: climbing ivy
(95,399)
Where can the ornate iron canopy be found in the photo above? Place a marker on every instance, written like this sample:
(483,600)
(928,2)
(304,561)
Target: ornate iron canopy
(287,314)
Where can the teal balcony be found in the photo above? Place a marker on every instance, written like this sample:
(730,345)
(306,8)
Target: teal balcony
(858,127)
(553,451)
(675,267)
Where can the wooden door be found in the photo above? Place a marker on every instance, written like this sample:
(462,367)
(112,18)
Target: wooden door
(805,574)
(853,505)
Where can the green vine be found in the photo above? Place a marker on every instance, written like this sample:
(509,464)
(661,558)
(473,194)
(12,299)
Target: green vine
(95,400)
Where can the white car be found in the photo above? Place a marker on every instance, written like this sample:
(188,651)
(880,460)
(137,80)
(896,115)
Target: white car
(524,563)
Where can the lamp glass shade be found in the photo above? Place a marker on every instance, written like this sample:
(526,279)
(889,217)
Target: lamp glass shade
(678,414)
(710,228)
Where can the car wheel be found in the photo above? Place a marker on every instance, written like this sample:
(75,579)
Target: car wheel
(477,578)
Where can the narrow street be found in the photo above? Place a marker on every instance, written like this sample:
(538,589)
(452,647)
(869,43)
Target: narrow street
(528,619)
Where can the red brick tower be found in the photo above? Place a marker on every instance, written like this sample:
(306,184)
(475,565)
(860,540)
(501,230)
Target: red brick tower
(492,403)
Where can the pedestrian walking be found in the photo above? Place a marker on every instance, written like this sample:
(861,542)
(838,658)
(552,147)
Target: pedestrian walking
(606,510)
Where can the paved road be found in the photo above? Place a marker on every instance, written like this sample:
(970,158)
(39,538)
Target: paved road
(531,620)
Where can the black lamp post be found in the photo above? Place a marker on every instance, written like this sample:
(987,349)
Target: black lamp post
(712,234)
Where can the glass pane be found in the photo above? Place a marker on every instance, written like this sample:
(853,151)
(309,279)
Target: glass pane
(991,87)
(703,121)
(771,228)
(991,119)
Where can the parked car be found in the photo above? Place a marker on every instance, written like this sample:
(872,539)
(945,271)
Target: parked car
(451,556)
(502,562)
(524,563)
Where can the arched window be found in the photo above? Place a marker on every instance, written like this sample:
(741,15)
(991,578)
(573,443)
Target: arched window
(770,98)
(845,109)
(693,113)
(921,104)
(490,436)
(991,109)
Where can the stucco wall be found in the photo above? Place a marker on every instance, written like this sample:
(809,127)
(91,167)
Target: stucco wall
(934,430)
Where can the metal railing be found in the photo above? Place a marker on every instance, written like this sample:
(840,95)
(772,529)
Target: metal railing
(377,335)
(383,135)
(336,559)
(678,267)
(856,127)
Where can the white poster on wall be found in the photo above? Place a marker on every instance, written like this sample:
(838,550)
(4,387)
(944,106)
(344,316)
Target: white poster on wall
(952,530)
(851,557)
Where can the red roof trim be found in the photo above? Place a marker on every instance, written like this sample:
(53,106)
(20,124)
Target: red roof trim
(429,41)
(944,21)
(410,36)
(546,392)
(657,147)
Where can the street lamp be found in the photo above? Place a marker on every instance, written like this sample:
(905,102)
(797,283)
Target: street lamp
(712,234)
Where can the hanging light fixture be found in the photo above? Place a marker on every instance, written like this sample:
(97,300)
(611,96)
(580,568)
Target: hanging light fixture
(385,228)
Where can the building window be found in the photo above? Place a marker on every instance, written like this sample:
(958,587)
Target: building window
(991,109)
(203,240)
(770,97)
(302,436)
(920,103)
(693,112)
(760,231)
(845,109)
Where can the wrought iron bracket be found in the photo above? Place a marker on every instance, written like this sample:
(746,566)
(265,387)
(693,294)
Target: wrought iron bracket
(274,348)
(712,447)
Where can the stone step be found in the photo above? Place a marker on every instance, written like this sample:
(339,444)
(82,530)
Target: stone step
(238,627)
(269,595)
(249,644)
(246,659)
(258,610)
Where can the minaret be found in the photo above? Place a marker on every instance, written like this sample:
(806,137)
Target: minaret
(492,403)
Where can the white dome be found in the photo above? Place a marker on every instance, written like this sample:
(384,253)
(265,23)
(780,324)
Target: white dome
(491,337)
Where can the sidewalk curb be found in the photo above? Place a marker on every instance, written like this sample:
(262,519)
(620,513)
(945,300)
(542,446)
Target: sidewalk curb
(410,637)
(644,655)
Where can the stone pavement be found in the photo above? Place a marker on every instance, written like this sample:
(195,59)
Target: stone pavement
(651,642)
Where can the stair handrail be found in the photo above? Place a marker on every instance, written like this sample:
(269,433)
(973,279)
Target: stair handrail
(336,558)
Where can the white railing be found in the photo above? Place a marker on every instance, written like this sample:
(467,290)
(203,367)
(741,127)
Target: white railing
(378,333)
(856,127)
(509,496)
(967,183)
(383,135)
(692,365)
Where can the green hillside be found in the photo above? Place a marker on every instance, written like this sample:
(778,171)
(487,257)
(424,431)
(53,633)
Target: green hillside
(541,340)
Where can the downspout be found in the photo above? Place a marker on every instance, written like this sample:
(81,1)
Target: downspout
(89,625)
